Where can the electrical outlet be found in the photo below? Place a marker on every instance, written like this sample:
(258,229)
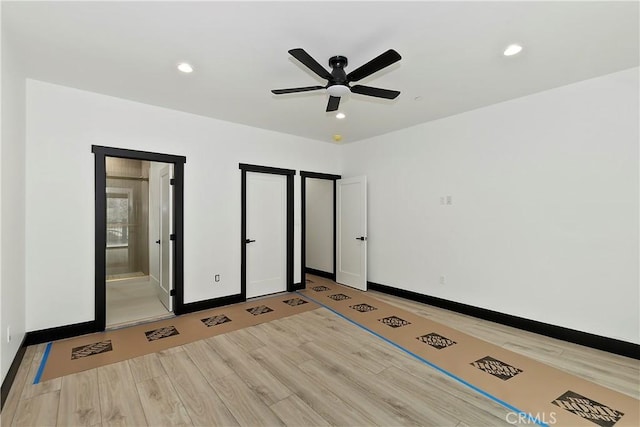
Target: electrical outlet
(216,277)
(449,200)
(8,334)
(442,280)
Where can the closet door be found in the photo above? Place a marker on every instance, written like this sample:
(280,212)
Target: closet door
(351,222)
(266,233)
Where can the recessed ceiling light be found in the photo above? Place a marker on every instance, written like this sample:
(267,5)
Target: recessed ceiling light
(185,68)
(340,116)
(512,49)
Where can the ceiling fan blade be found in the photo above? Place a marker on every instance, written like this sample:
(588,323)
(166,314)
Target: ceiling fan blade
(375,91)
(296,89)
(376,64)
(302,56)
(334,102)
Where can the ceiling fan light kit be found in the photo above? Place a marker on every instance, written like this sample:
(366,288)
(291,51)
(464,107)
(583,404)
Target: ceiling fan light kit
(338,82)
(338,90)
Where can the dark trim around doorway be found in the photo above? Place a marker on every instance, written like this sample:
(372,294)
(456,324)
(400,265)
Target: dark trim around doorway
(303,190)
(100,153)
(289,173)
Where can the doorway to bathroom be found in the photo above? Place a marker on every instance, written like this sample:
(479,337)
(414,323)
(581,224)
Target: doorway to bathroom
(139,253)
(138,268)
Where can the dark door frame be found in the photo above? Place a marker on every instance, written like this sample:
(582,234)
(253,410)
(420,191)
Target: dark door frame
(289,173)
(100,153)
(303,197)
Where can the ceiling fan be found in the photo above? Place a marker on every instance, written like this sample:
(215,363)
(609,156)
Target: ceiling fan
(338,81)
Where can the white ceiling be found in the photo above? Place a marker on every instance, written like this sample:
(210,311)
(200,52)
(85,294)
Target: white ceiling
(451,55)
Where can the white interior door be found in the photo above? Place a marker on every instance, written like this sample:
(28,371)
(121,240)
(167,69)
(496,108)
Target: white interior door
(166,282)
(351,218)
(266,233)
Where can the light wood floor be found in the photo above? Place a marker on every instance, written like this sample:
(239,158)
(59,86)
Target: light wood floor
(306,370)
(133,300)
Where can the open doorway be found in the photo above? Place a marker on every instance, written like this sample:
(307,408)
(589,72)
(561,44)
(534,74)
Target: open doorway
(318,249)
(139,250)
(138,261)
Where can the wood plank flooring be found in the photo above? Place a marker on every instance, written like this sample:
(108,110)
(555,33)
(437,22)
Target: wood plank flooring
(610,370)
(311,369)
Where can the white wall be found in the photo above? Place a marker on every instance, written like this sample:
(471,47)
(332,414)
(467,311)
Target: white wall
(3,373)
(319,224)
(543,225)
(63,123)
(544,220)
(12,202)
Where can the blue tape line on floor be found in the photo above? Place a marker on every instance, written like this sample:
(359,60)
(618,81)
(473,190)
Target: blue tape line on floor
(425,361)
(45,356)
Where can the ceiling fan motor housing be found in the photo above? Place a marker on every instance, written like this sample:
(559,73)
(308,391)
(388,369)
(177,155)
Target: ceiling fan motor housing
(338,61)
(338,85)
(337,64)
